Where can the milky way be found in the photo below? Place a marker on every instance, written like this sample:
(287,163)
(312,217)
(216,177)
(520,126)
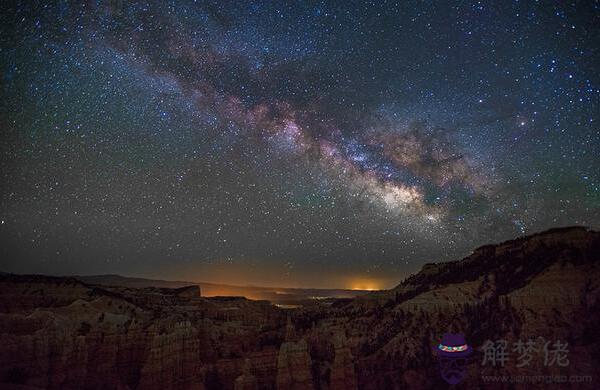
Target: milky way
(300,143)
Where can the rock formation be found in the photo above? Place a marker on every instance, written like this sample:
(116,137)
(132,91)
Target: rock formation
(246,381)
(343,375)
(293,362)
(60,333)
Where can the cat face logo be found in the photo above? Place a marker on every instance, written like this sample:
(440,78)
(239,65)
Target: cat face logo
(453,355)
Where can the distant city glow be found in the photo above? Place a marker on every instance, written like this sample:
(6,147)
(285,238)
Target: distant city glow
(366,285)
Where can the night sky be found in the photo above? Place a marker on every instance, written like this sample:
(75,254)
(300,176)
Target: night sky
(328,144)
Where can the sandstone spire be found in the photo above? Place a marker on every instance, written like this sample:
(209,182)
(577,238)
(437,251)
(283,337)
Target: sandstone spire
(293,362)
(246,381)
(343,375)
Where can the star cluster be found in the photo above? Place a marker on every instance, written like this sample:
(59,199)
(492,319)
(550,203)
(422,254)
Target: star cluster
(291,143)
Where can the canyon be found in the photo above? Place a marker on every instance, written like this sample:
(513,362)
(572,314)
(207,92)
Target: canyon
(65,333)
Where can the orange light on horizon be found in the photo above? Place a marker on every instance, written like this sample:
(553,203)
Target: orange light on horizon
(365,285)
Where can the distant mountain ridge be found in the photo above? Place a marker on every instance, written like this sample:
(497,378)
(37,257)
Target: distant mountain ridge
(131,281)
(282,295)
